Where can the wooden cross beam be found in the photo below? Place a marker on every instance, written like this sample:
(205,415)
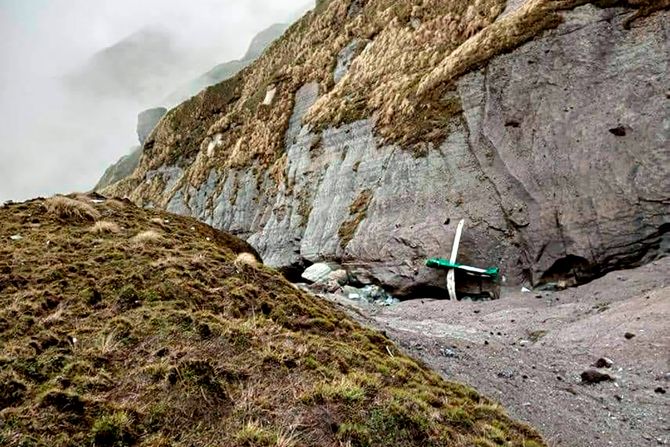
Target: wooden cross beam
(451,274)
(451,265)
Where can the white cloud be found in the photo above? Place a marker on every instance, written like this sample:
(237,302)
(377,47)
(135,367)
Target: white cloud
(50,143)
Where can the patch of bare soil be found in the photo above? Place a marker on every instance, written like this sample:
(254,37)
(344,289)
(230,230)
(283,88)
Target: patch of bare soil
(528,351)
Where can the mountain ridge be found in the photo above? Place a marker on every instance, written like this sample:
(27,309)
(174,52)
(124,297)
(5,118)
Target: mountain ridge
(228,69)
(125,166)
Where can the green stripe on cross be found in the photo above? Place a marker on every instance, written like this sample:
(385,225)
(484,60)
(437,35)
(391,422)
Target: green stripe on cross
(440,263)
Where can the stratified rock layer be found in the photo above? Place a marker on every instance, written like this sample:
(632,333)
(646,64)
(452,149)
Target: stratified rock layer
(558,161)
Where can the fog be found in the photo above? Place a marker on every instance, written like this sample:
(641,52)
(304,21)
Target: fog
(63,119)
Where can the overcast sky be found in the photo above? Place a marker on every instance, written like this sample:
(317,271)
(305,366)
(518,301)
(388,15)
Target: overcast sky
(50,143)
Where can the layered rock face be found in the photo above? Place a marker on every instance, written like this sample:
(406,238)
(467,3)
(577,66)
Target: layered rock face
(558,158)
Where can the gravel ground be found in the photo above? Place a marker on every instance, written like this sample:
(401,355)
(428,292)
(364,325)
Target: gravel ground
(528,350)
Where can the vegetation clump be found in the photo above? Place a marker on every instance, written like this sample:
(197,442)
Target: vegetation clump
(357,213)
(105,227)
(189,342)
(71,209)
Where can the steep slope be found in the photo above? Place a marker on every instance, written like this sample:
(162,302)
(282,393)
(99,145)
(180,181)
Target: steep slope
(123,168)
(124,327)
(371,127)
(229,69)
(148,119)
(126,165)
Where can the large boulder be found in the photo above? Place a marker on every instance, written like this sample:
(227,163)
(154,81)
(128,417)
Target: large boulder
(318,272)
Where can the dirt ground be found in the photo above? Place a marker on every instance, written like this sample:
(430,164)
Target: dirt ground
(528,350)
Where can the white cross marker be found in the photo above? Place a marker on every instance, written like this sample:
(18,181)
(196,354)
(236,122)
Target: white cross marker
(451,274)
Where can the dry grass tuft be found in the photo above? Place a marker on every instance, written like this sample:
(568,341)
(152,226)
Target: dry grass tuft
(147,237)
(116,204)
(246,259)
(105,227)
(70,209)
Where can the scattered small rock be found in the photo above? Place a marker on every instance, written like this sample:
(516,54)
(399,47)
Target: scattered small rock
(628,335)
(372,294)
(332,286)
(594,376)
(553,286)
(603,362)
(525,290)
(506,374)
(449,353)
(16,237)
(660,390)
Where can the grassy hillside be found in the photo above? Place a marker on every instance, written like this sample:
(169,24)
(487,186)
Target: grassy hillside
(121,326)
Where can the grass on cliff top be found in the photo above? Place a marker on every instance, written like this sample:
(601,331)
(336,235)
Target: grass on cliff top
(149,329)
(404,78)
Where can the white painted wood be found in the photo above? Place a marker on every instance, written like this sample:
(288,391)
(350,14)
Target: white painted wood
(473,269)
(451,274)
(451,284)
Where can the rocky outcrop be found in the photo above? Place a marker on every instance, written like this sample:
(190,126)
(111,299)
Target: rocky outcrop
(123,168)
(126,165)
(556,154)
(147,122)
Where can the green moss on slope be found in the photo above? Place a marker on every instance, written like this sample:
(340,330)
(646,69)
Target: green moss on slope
(157,333)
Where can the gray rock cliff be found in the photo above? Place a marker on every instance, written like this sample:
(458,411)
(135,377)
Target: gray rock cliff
(147,122)
(559,162)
